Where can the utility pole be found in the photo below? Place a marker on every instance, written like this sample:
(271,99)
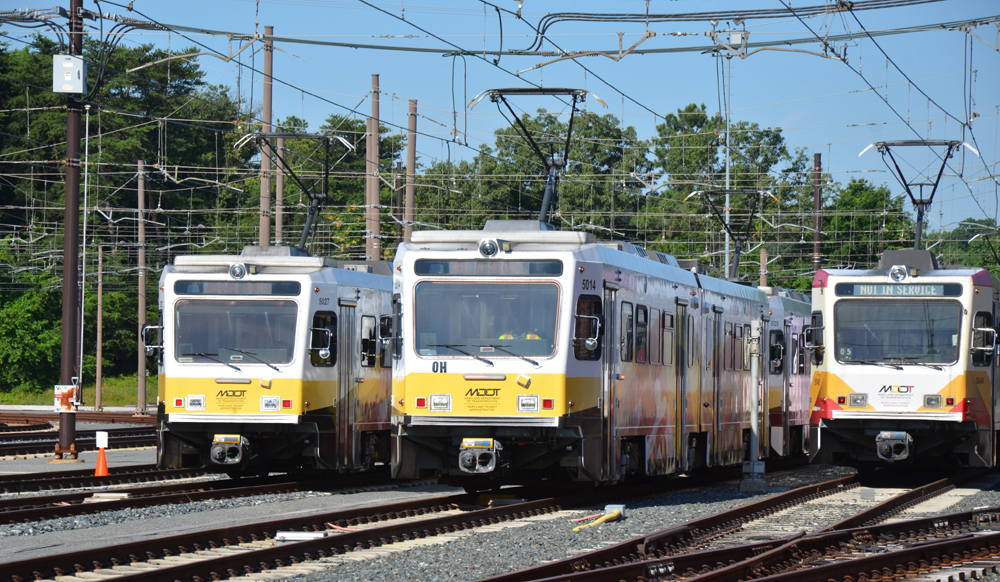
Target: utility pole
(729,68)
(140,405)
(397,187)
(279,198)
(373,246)
(265,152)
(100,328)
(67,361)
(411,170)
(817,203)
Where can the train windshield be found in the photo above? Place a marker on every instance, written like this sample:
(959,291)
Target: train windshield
(235,332)
(486,320)
(897,331)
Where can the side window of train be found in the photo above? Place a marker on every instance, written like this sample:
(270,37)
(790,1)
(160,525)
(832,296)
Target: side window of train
(746,347)
(369,341)
(589,326)
(323,336)
(668,339)
(982,341)
(626,332)
(776,352)
(738,348)
(796,354)
(727,348)
(691,344)
(384,339)
(641,333)
(655,337)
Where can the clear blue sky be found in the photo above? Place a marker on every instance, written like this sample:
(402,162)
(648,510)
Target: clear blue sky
(820,103)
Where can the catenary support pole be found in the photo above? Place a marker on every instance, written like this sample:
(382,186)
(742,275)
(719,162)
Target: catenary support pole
(279,198)
(763,266)
(411,170)
(70,290)
(397,210)
(140,404)
(817,206)
(99,377)
(265,152)
(373,247)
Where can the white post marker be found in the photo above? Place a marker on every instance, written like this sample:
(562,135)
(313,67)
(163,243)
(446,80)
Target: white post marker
(102,439)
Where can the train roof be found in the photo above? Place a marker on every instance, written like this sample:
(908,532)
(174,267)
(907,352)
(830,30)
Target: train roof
(923,261)
(276,259)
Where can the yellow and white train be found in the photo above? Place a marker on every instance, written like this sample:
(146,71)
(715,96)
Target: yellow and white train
(906,366)
(529,354)
(272,360)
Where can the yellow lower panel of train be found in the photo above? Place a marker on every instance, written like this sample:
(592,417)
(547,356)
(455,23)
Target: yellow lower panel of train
(274,396)
(494,394)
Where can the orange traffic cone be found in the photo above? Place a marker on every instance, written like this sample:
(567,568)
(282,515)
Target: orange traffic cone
(102,465)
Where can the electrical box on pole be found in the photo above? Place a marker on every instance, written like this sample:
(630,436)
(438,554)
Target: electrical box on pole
(69,74)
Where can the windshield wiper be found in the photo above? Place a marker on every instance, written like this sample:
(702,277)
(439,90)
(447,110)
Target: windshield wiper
(879,363)
(912,360)
(214,358)
(254,356)
(501,348)
(455,347)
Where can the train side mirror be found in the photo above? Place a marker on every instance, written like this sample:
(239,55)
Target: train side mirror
(152,338)
(321,342)
(591,341)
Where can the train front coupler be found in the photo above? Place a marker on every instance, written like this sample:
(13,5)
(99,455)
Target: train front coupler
(893,445)
(479,455)
(229,449)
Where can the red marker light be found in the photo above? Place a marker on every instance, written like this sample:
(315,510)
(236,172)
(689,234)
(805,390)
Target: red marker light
(286,403)
(547,403)
(949,401)
(178,403)
(841,400)
(421,402)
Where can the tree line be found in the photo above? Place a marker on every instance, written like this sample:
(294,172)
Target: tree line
(203,192)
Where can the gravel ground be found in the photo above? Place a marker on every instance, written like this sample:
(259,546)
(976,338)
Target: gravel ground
(484,554)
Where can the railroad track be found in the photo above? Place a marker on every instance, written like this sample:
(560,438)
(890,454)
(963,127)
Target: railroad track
(236,550)
(44,442)
(6,429)
(8,417)
(51,481)
(27,509)
(717,548)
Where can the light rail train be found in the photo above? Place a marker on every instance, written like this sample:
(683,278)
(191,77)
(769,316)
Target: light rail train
(272,360)
(905,364)
(531,354)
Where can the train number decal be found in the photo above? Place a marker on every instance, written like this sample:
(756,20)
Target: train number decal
(439,367)
(589,284)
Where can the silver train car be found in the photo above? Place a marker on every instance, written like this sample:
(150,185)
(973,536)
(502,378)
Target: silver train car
(271,360)
(531,354)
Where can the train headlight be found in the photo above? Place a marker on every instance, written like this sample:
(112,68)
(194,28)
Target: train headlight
(440,402)
(489,248)
(858,401)
(933,401)
(526,403)
(237,271)
(897,273)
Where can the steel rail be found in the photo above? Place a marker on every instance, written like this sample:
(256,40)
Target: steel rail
(26,509)
(95,417)
(47,567)
(678,538)
(135,474)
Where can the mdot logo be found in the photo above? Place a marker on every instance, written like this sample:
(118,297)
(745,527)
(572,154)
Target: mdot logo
(483,392)
(231,393)
(895,389)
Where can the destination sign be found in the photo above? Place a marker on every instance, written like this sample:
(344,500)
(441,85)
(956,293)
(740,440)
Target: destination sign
(893,290)
(237,288)
(489,268)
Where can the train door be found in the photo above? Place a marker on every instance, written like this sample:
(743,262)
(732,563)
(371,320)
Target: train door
(715,362)
(681,348)
(347,380)
(609,436)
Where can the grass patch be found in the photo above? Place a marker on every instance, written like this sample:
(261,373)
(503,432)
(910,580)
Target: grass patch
(114,392)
